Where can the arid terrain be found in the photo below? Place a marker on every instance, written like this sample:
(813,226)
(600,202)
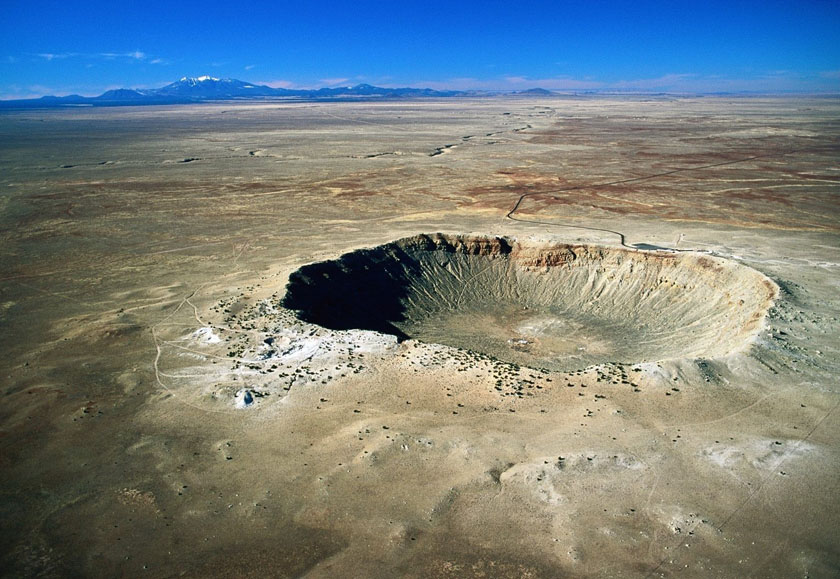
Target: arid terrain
(608,339)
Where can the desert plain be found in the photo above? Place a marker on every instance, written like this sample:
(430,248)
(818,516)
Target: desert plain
(531,337)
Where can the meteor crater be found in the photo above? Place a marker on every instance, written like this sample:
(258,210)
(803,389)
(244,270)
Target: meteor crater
(538,303)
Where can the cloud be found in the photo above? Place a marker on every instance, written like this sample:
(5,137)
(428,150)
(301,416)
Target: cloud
(553,83)
(674,81)
(511,82)
(33,91)
(764,82)
(315,84)
(249,66)
(278,83)
(15,91)
(334,81)
(459,83)
(48,56)
(832,74)
(134,55)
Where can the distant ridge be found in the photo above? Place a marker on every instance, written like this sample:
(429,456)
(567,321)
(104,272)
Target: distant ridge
(535,92)
(208,88)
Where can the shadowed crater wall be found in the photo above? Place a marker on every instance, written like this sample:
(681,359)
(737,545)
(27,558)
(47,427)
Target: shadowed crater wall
(540,304)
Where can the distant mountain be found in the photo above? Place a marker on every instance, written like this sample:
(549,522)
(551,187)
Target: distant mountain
(57,101)
(369,90)
(123,94)
(535,92)
(208,88)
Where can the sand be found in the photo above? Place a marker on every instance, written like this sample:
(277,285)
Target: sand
(166,414)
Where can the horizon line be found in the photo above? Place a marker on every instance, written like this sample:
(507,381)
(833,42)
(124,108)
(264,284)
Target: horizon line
(668,84)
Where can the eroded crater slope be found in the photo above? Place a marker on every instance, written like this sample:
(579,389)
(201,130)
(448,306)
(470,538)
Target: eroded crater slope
(542,304)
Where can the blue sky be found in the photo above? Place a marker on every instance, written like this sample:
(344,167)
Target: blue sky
(51,47)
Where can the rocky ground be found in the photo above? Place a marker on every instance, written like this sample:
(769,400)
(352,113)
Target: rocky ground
(166,415)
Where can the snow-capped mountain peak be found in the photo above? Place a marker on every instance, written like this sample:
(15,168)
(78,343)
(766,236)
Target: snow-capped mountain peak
(198,79)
